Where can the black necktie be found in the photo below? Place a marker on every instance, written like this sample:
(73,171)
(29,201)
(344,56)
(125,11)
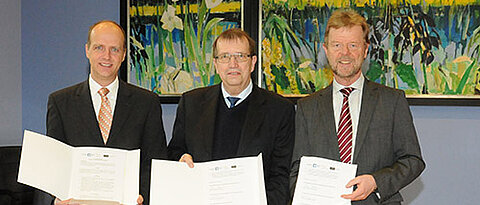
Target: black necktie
(232,100)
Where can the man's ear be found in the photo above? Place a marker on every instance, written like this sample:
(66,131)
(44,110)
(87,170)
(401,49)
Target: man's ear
(254,61)
(324,47)
(86,51)
(366,50)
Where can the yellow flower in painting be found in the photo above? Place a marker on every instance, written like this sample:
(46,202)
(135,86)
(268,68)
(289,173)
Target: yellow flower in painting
(293,83)
(267,70)
(305,64)
(266,53)
(277,58)
(270,78)
(212,3)
(170,20)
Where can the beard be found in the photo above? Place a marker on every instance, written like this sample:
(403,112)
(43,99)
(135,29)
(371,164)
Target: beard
(346,73)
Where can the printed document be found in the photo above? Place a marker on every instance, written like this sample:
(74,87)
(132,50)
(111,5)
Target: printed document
(322,181)
(237,181)
(90,174)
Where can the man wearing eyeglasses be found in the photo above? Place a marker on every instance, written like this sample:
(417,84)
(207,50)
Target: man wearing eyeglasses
(236,118)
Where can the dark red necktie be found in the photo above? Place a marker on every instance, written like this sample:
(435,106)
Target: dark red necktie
(345,130)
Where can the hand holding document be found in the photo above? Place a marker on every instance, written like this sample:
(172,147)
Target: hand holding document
(322,181)
(88,174)
(236,181)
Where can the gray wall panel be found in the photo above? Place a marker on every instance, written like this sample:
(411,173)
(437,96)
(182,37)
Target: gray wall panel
(11,73)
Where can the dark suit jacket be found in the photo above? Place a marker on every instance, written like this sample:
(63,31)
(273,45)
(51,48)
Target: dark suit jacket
(386,144)
(137,123)
(268,129)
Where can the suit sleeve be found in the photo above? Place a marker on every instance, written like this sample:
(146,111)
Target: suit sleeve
(177,146)
(278,183)
(300,145)
(153,145)
(408,160)
(54,130)
(54,120)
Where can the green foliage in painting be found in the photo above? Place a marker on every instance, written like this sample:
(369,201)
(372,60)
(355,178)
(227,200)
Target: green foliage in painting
(171,42)
(422,47)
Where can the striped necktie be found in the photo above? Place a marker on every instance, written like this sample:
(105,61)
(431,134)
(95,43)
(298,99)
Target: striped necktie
(345,131)
(105,114)
(233,100)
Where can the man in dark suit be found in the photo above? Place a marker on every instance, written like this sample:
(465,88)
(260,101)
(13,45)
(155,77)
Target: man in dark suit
(358,121)
(209,126)
(127,117)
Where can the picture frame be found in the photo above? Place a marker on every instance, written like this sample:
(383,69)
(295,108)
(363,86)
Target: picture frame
(252,23)
(169,43)
(294,64)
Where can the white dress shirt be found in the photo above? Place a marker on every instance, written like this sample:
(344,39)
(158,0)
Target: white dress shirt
(97,99)
(354,103)
(243,95)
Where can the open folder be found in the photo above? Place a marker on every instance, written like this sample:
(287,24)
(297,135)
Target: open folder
(323,181)
(94,174)
(237,181)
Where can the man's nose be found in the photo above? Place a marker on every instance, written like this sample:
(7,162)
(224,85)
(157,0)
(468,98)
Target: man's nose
(232,61)
(107,54)
(344,50)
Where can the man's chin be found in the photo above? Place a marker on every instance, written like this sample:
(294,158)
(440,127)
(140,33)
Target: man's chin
(234,80)
(346,72)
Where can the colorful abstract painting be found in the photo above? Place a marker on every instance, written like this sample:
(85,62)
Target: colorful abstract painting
(424,47)
(170,42)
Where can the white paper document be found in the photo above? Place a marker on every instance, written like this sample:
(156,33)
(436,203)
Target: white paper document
(94,174)
(322,181)
(237,181)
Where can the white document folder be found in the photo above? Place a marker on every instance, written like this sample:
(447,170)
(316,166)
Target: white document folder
(323,181)
(237,181)
(94,174)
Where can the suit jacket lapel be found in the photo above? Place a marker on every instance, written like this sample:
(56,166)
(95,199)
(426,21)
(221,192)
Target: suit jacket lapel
(206,127)
(86,111)
(253,119)
(327,125)
(369,102)
(122,110)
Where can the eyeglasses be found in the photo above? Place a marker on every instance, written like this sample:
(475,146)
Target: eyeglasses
(350,46)
(239,57)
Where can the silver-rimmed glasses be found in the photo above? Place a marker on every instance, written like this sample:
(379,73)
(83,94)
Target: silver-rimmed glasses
(239,57)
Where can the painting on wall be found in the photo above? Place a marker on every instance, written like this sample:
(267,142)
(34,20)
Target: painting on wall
(426,48)
(170,42)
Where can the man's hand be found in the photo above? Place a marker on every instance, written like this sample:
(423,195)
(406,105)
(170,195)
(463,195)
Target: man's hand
(365,186)
(70,201)
(65,202)
(140,200)
(187,159)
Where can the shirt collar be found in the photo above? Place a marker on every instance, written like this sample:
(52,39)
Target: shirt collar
(112,87)
(243,95)
(358,84)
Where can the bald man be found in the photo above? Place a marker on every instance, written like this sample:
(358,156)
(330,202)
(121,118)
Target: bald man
(104,111)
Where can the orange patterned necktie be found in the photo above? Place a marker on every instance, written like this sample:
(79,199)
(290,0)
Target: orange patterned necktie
(345,130)
(105,114)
